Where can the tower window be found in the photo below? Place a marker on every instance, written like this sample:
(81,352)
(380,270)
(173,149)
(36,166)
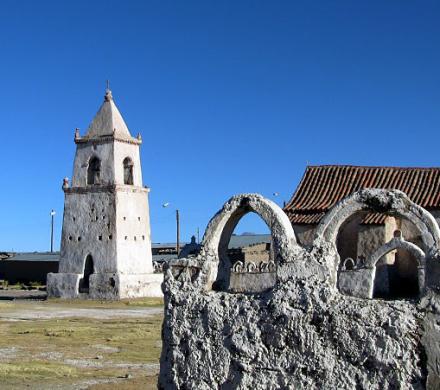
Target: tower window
(94,171)
(128,171)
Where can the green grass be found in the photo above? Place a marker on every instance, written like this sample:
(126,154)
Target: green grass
(89,303)
(35,370)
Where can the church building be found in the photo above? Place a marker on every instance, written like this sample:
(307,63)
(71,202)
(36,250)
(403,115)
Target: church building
(106,244)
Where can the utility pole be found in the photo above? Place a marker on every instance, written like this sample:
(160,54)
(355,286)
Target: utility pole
(52,215)
(177,232)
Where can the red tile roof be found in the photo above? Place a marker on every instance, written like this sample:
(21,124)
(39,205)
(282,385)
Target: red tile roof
(323,186)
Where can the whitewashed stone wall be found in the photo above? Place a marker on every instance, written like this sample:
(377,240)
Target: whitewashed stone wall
(302,333)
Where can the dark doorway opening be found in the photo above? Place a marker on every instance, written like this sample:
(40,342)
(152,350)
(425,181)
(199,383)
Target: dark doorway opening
(397,280)
(84,282)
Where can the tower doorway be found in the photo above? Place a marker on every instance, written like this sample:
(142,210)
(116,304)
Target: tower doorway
(84,282)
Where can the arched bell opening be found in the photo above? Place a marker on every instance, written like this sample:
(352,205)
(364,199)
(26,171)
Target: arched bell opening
(128,171)
(94,171)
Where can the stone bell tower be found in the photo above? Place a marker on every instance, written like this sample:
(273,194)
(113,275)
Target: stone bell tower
(105,244)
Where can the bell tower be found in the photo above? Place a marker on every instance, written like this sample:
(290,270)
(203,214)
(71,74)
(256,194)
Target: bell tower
(105,243)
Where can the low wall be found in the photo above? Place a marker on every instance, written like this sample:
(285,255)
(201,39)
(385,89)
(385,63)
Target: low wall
(26,271)
(252,282)
(302,333)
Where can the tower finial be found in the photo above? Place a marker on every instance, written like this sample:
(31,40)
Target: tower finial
(108,94)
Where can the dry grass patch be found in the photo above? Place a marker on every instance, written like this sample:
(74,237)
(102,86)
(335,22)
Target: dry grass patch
(51,352)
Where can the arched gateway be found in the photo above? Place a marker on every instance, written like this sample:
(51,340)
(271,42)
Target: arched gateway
(360,281)
(219,230)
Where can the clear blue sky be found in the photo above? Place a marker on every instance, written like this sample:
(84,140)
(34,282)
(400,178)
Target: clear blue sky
(229,96)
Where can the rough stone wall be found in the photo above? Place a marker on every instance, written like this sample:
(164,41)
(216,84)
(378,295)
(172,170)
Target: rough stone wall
(88,228)
(302,333)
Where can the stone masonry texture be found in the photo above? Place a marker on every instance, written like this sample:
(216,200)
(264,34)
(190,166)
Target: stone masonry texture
(301,333)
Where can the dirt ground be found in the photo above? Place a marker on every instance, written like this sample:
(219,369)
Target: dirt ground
(80,345)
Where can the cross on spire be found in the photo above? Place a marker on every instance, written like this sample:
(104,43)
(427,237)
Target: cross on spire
(108,94)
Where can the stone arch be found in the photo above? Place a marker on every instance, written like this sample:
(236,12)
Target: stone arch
(94,171)
(128,170)
(393,244)
(220,228)
(238,267)
(349,264)
(263,267)
(393,202)
(271,266)
(398,243)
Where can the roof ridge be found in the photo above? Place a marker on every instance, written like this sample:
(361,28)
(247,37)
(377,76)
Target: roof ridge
(368,166)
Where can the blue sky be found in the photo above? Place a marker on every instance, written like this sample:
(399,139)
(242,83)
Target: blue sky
(229,96)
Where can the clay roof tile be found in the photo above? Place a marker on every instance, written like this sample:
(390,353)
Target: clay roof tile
(323,186)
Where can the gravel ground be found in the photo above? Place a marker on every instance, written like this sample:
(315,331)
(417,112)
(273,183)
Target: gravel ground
(44,312)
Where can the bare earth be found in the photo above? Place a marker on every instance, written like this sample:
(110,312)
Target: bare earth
(38,311)
(80,344)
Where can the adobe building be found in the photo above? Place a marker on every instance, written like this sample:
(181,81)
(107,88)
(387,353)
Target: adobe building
(363,233)
(105,244)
